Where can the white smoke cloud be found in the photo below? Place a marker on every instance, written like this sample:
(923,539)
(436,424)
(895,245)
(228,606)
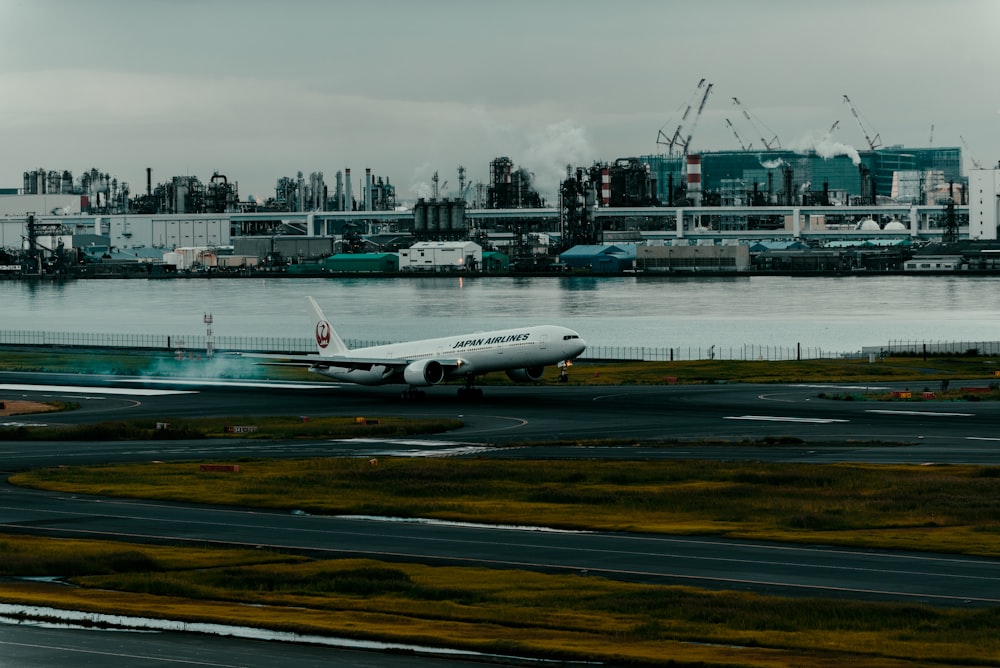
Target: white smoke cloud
(772,164)
(549,150)
(826,148)
(418,185)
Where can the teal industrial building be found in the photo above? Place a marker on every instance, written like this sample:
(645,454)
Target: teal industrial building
(835,171)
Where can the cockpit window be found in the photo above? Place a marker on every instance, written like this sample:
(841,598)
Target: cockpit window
(570,336)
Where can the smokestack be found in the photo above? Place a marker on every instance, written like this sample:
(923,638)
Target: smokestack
(368,189)
(694,178)
(149,181)
(348,202)
(605,186)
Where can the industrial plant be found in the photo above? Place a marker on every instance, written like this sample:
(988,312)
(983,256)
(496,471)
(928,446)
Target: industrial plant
(760,208)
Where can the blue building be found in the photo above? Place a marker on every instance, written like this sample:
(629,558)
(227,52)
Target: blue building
(600,259)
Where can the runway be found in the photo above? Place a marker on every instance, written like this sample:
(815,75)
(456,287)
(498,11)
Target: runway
(696,422)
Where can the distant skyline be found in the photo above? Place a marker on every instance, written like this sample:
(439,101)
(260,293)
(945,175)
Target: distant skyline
(257,90)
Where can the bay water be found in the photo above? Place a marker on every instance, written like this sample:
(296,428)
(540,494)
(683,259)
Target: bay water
(830,313)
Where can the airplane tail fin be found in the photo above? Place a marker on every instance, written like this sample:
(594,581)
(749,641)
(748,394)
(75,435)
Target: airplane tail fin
(328,342)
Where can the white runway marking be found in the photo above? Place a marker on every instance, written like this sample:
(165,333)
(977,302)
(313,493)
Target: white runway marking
(234,383)
(421,447)
(426,443)
(922,413)
(776,418)
(86,391)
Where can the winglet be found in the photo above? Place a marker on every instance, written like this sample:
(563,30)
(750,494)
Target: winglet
(328,343)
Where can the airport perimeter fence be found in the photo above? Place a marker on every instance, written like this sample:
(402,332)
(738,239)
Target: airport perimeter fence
(690,353)
(193,345)
(919,348)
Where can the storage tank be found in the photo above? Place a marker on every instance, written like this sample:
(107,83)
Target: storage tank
(420,216)
(444,215)
(433,216)
(458,216)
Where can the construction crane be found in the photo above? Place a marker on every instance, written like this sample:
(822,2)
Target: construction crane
(975,163)
(873,143)
(833,127)
(745,147)
(701,107)
(677,143)
(769,145)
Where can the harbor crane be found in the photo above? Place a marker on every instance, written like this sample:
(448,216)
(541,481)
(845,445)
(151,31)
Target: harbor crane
(975,163)
(873,142)
(769,145)
(678,143)
(745,147)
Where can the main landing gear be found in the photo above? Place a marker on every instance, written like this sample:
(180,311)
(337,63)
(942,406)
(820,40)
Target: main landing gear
(470,392)
(412,393)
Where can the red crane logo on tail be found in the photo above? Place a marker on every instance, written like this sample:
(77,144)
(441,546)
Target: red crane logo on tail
(322,333)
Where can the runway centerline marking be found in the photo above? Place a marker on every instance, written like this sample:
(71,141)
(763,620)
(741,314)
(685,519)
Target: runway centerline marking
(841,387)
(887,411)
(778,418)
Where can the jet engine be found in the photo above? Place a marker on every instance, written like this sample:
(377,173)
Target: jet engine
(424,372)
(527,375)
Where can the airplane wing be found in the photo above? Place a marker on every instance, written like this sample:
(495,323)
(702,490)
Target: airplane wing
(345,362)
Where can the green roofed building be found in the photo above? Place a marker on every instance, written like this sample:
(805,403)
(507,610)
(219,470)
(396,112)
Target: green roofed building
(363,263)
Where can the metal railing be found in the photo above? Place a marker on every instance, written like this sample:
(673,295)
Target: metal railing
(184,343)
(744,352)
(901,347)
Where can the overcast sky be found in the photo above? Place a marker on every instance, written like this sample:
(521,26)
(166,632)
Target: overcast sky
(259,89)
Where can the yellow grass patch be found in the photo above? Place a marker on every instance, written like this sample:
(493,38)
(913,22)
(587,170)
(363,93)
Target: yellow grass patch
(20,407)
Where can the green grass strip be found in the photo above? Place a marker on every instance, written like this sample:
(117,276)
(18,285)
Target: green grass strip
(933,508)
(567,617)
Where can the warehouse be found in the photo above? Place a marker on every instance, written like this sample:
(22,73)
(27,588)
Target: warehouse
(441,256)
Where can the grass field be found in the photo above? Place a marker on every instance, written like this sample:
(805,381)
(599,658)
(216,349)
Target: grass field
(507,612)
(934,508)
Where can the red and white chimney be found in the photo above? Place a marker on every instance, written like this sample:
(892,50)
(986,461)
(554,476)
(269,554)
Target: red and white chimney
(605,187)
(694,178)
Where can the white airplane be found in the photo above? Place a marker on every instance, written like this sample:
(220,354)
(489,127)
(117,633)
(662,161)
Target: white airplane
(521,352)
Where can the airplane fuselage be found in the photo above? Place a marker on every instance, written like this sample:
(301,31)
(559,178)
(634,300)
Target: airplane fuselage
(521,352)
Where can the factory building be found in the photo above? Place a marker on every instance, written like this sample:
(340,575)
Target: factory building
(783,177)
(679,259)
(511,188)
(984,203)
